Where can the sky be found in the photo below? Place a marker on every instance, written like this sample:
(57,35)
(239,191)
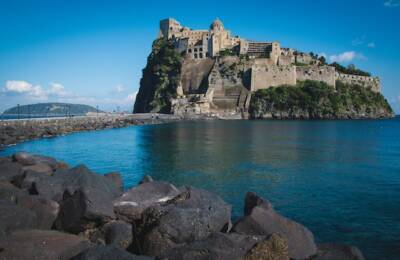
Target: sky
(93,52)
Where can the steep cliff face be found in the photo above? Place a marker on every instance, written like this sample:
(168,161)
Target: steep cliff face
(160,79)
(317,100)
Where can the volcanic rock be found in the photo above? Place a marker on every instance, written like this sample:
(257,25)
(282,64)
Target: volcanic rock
(261,219)
(42,245)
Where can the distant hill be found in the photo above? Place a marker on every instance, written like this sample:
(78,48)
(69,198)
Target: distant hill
(51,109)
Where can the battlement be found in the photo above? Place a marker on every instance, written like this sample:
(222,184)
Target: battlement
(373,83)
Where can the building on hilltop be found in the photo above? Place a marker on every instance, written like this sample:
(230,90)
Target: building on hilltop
(268,64)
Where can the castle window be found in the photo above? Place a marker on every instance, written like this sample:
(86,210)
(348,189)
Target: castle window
(195,49)
(195,55)
(190,50)
(201,49)
(201,55)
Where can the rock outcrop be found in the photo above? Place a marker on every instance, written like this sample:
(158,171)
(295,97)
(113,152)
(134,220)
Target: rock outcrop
(73,213)
(316,100)
(261,219)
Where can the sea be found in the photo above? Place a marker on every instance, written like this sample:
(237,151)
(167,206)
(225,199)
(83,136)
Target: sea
(341,179)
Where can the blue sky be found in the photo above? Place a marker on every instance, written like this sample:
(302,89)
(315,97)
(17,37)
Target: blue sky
(93,52)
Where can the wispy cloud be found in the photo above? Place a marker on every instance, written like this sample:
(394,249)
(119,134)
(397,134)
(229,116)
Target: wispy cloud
(362,41)
(391,3)
(358,41)
(23,92)
(346,56)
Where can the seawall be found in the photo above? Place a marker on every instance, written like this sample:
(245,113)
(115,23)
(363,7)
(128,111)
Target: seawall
(15,131)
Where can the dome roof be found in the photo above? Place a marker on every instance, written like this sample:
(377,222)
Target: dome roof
(217,24)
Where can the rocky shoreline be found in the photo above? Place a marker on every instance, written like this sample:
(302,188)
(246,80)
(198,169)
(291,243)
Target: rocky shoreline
(15,131)
(52,211)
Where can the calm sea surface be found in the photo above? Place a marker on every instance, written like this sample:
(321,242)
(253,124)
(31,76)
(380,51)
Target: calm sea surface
(339,178)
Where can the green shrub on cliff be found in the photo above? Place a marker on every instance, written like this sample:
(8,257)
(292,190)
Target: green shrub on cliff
(351,69)
(313,99)
(160,78)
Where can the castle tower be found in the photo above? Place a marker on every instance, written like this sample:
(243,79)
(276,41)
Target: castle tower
(168,27)
(217,26)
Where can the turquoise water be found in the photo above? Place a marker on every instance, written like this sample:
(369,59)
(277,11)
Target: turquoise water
(339,178)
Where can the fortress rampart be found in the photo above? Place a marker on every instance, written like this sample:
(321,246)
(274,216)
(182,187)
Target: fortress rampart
(319,73)
(369,82)
(265,76)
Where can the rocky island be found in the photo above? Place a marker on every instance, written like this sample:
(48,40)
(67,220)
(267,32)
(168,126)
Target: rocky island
(210,72)
(52,211)
(50,110)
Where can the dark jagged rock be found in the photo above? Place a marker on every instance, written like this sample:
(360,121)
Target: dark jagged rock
(28,159)
(261,219)
(108,252)
(50,187)
(134,201)
(116,178)
(10,192)
(330,251)
(216,246)
(14,217)
(118,233)
(9,171)
(81,177)
(42,245)
(46,210)
(84,209)
(191,216)
(85,198)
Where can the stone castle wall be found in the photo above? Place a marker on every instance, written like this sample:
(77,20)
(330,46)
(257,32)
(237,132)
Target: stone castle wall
(318,73)
(365,81)
(264,76)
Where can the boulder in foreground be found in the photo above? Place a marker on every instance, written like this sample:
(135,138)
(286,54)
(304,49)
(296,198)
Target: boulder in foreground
(261,219)
(133,202)
(42,245)
(107,253)
(232,246)
(193,215)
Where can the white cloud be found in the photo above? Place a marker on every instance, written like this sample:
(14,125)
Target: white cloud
(392,3)
(56,89)
(17,86)
(371,45)
(20,87)
(22,92)
(346,56)
(323,54)
(343,57)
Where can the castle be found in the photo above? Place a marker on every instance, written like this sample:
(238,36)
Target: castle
(222,70)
